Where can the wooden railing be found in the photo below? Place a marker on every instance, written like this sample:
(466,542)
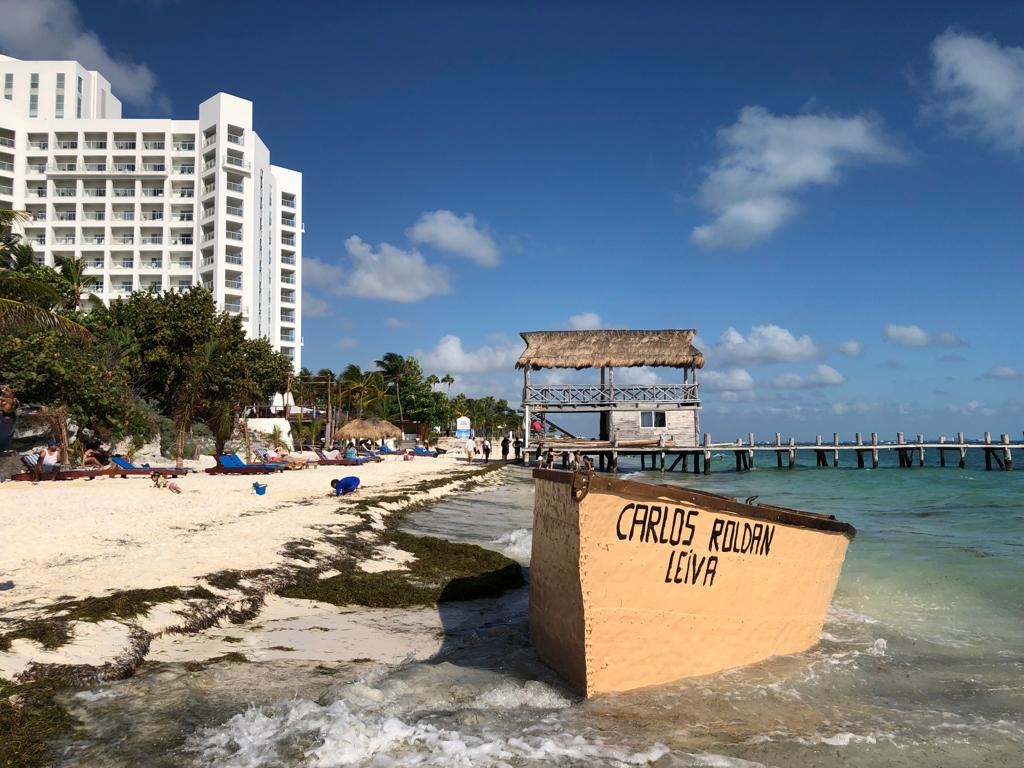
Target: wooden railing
(594,396)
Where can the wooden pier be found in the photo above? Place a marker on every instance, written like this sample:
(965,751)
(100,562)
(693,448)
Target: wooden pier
(663,455)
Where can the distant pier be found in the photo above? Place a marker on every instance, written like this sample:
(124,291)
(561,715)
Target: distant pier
(659,454)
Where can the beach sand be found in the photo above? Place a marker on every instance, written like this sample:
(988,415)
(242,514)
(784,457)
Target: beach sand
(77,539)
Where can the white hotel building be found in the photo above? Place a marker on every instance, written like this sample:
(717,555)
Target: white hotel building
(153,204)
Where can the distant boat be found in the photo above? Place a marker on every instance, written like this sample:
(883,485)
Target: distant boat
(633,584)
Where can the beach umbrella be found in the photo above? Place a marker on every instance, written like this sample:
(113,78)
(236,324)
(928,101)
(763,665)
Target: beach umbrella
(374,429)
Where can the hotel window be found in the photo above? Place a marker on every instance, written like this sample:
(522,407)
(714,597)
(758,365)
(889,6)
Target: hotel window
(651,419)
(33,105)
(78,101)
(59,108)
(9,86)
(60,81)
(34,81)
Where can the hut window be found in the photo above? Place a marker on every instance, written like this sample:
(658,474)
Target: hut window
(652,419)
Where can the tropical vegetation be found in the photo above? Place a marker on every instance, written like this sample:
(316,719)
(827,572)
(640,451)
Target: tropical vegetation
(170,361)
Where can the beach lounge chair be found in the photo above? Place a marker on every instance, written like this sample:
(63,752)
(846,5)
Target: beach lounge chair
(419,450)
(121,467)
(343,462)
(261,454)
(288,462)
(232,464)
(29,461)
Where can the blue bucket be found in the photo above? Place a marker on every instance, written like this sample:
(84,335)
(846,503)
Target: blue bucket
(260,488)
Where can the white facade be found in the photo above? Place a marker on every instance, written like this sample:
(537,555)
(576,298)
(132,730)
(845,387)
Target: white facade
(153,203)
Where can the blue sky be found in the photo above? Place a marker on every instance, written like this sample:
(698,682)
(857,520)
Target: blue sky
(830,195)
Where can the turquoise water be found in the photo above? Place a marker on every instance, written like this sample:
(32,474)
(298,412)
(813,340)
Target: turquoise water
(921,661)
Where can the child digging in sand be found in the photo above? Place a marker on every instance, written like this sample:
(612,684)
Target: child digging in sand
(159,481)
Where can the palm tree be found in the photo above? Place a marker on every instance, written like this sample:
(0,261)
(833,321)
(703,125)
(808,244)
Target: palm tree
(431,380)
(24,301)
(192,392)
(449,380)
(360,389)
(73,270)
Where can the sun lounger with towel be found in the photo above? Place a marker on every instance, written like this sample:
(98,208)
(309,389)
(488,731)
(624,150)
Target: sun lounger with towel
(342,462)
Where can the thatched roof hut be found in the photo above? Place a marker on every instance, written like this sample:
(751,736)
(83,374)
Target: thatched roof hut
(373,429)
(615,349)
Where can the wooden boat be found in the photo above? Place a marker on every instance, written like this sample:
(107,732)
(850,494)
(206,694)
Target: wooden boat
(634,584)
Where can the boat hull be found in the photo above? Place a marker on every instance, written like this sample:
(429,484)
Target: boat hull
(635,585)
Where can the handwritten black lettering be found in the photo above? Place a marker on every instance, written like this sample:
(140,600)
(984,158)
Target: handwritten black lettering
(716,531)
(652,522)
(639,521)
(618,525)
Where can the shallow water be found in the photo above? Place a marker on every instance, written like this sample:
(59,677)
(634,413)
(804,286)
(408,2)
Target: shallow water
(921,661)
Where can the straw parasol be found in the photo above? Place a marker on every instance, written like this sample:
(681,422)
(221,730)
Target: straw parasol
(374,429)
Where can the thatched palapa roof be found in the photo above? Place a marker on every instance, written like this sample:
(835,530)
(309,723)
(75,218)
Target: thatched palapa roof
(374,429)
(617,349)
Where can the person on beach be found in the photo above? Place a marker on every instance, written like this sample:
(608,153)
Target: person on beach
(549,459)
(487,450)
(159,481)
(344,485)
(470,449)
(588,464)
(95,457)
(504,448)
(280,455)
(48,461)
(517,446)
(7,402)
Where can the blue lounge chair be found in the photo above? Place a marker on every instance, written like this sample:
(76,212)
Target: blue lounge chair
(232,464)
(121,467)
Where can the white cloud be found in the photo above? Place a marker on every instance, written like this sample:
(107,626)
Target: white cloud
(346,342)
(766,159)
(394,322)
(320,274)
(586,321)
(53,29)
(947,339)
(734,380)
(851,348)
(642,375)
(821,376)
(915,336)
(313,306)
(906,335)
(971,408)
(978,86)
(1003,372)
(391,273)
(766,344)
(461,236)
(449,356)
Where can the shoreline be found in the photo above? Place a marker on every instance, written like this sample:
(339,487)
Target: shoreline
(181,563)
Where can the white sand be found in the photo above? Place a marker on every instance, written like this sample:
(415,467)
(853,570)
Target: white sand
(75,539)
